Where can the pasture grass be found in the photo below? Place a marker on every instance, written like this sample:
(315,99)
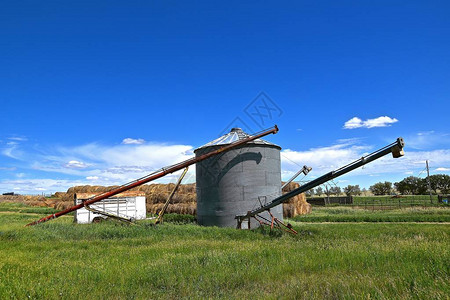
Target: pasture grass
(60,259)
(24,208)
(425,198)
(351,214)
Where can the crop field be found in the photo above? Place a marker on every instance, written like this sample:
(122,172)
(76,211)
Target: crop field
(59,259)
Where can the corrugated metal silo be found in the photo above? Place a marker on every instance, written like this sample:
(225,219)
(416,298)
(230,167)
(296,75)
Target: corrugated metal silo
(230,183)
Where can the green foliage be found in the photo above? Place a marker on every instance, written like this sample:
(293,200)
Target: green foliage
(352,190)
(411,186)
(335,190)
(440,183)
(179,219)
(319,191)
(381,188)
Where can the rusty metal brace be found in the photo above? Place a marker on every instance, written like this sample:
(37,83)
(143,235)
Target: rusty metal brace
(274,222)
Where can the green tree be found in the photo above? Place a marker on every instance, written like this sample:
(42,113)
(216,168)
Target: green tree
(319,191)
(381,188)
(327,191)
(335,190)
(412,185)
(351,190)
(440,183)
(445,184)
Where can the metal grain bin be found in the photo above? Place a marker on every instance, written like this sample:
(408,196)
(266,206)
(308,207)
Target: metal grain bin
(230,183)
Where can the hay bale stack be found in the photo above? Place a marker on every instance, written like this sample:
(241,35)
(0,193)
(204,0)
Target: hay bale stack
(296,205)
(27,200)
(183,202)
(12,199)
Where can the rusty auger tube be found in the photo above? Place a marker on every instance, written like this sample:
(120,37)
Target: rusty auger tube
(158,174)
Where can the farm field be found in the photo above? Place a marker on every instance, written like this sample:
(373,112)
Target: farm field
(403,201)
(60,259)
(351,214)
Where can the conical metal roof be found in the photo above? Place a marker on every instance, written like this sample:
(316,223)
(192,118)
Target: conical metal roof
(234,135)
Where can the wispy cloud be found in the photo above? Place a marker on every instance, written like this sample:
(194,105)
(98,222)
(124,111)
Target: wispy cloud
(326,159)
(427,139)
(35,186)
(441,169)
(8,168)
(111,165)
(12,151)
(356,122)
(130,141)
(18,138)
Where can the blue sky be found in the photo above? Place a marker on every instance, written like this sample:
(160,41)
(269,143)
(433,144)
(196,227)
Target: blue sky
(100,93)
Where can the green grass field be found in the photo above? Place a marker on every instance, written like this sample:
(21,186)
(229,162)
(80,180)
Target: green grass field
(403,201)
(350,214)
(60,259)
(425,198)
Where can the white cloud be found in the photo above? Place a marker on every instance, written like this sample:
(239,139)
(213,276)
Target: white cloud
(36,186)
(75,164)
(130,141)
(114,165)
(322,159)
(326,159)
(356,122)
(18,138)
(427,139)
(12,152)
(443,169)
(8,168)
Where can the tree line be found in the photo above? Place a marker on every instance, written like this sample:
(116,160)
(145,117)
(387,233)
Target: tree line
(411,185)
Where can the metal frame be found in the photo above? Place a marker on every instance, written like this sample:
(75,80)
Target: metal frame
(106,214)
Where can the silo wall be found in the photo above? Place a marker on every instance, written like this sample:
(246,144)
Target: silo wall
(229,184)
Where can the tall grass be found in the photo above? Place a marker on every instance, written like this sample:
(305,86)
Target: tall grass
(60,259)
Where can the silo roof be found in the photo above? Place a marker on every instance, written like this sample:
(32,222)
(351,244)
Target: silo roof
(234,135)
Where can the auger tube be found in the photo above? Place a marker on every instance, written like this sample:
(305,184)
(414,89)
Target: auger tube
(395,148)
